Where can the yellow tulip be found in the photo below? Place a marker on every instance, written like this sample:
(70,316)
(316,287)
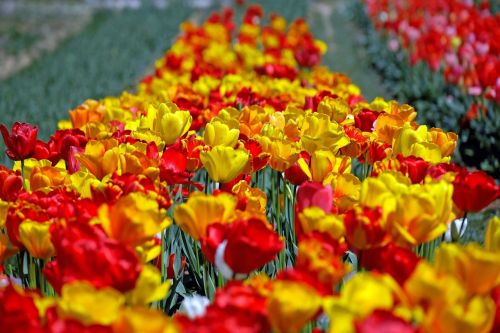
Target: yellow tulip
(217,133)
(418,142)
(99,158)
(374,292)
(427,286)
(318,132)
(475,315)
(336,109)
(133,219)
(201,210)
(168,121)
(315,219)
(283,153)
(223,164)
(492,236)
(412,213)
(47,178)
(291,305)
(346,190)
(81,301)
(35,237)
(446,141)
(477,269)
(4,208)
(148,288)
(144,320)
(324,165)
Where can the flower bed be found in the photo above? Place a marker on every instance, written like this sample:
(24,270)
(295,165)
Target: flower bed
(243,188)
(443,58)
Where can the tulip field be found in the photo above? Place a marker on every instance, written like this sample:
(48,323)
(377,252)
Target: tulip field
(242,186)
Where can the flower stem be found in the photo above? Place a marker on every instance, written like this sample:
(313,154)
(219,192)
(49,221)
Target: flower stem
(22,176)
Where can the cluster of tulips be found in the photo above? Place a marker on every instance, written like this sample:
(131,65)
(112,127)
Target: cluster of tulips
(243,188)
(457,36)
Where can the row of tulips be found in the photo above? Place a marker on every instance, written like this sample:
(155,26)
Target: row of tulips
(441,56)
(243,188)
(458,36)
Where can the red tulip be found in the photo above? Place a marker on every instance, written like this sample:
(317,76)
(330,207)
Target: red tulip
(413,167)
(241,247)
(18,313)
(363,230)
(21,142)
(236,308)
(396,261)
(82,250)
(473,191)
(383,321)
(11,184)
(62,141)
(365,120)
(294,174)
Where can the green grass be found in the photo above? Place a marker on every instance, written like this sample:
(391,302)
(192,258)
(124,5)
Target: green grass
(110,55)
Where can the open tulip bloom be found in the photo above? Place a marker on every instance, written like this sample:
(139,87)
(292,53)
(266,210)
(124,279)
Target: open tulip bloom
(243,187)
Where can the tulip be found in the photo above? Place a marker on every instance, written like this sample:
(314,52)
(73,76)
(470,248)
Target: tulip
(202,210)
(149,287)
(84,249)
(12,184)
(473,191)
(35,237)
(133,219)
(217,133)
(363,228)
(384,321)
(136,320)
(291,305)
(21,142)
(167,121)
(396,261)
(464,263)
(89,111)
(83,302)
(242,246)
(19,311)
(315,219)
(492,236)
(223,164)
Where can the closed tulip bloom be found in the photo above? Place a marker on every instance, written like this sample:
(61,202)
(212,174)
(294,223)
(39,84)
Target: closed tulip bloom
(35,236)
(21,141)
(220,134)
(223,164)
(492,236)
